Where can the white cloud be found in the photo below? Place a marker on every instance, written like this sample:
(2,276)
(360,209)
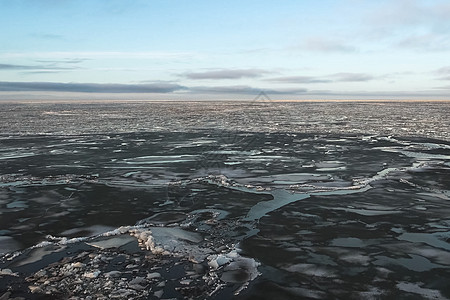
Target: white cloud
(442,73)
(97,54)
(411,12)
(352,77)
(89,87)
(411,24)
(226,74)
(337,77)
(427,42)
(299,79)
(244,89)
(326,45)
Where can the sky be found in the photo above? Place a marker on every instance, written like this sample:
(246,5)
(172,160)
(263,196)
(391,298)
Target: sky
(176,50)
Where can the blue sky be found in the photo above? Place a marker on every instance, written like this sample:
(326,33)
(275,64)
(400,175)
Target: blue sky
(136,49)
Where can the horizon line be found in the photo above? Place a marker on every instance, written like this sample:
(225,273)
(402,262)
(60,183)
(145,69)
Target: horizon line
(86,101)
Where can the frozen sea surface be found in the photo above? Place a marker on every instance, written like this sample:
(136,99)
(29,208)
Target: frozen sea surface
(225,200)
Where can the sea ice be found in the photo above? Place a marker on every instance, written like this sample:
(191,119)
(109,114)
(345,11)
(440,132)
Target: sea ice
(311,270)
(415,263)
(114,242)
(93,230)
(416,289)
(7,272)
(438,239)
(281,198)
(350,242)
(216,261)
(8,244)
(161,159)
(37,254)
(171,241)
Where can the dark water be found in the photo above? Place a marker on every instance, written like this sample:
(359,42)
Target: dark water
(267,200)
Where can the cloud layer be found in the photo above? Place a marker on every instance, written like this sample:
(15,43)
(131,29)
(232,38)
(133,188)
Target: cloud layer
(90,87)
(225,74)
(42,67)
(443,73)
(244,89)
(159,87)
(296,49)
(323,44)
(337,77)
(298,79)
